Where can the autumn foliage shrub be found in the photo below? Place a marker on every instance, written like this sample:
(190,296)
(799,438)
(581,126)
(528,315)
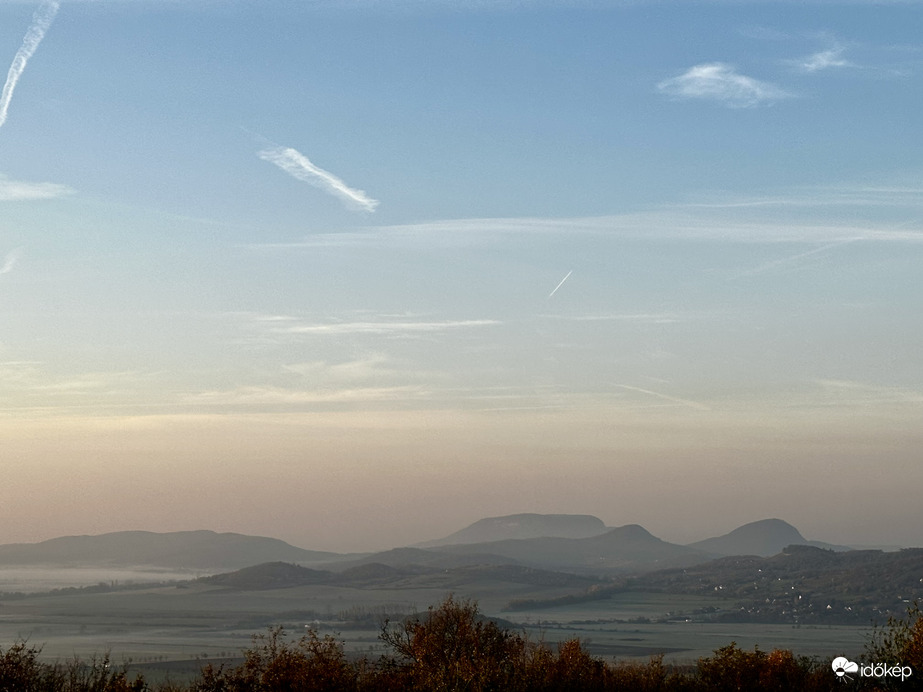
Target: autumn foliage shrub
(21,671)
(311,664)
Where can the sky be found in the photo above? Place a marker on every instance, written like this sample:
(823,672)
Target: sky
(356,274)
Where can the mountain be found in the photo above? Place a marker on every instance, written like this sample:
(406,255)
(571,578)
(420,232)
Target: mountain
(625,549)
(523,526)
(178,550)
(766,537)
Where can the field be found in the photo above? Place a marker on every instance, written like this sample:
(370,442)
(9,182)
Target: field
(165,625)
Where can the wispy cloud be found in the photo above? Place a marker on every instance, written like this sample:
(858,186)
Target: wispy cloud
(733,221)
(643,317)
(720,82)
(300,167)
(909,197)
(666,397)
(822,60)
(890,212)
(338,328)
(273,330)
(790,259)
(846,392)
(41,20)
(37,379)
(370,368)
(17,190)
(9,261)
(282,396)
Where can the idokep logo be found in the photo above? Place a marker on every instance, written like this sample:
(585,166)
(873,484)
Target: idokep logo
(842,666)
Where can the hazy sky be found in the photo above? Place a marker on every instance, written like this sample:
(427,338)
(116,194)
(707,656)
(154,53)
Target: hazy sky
(294,268)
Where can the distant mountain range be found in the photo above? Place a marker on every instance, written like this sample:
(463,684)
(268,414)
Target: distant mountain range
(580,544)
(765,537)
(625,549)
(203,550)
(584,544)
(519,526)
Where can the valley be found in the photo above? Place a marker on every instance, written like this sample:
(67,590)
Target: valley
(622,591)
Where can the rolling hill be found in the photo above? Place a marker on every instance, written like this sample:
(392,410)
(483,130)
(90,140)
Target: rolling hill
(764,538)
(625,549)
(523,526)
(282,575)
(181,550)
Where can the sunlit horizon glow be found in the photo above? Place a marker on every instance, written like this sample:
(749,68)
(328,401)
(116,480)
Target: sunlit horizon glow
(605,270)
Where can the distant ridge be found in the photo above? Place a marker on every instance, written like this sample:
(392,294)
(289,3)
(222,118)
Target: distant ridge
(576,543)
(625,549)
(764,538)
(282,575)
(179,550)
(269,575)
(523,526)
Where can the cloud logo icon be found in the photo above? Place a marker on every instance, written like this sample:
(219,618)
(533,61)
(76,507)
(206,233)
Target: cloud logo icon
(842,665)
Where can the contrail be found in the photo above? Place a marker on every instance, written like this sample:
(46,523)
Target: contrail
(298,166)
(767,266)
(41,20)
(674,399)
(561,284)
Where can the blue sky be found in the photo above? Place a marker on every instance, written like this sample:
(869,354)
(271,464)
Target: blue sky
(304,255)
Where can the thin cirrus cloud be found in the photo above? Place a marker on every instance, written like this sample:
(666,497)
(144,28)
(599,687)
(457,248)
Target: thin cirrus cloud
(281,396)
(790,261)
(17,190)
(41,20)
(720,82)
(300,167)
(338,328)
(822,60)
(9,261)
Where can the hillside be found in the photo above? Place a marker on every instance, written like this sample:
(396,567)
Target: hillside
(766,537)
(804,584)
(270,575)
(627,549)
(523,526)
(178,550)
(429,558)
(281,575)
(801,585)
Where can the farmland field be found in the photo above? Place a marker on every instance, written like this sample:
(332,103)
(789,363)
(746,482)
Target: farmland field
(187,621)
